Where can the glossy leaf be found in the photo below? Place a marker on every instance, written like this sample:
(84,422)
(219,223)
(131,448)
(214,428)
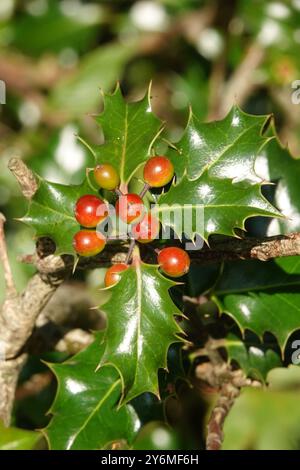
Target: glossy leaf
(129,131)
(277,165)
(228,147)
(217,182)
(51,212)
(141,327)
(85,412)
(262,296)
(255,360)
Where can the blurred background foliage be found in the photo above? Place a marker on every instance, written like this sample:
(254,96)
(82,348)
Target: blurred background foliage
(55,56)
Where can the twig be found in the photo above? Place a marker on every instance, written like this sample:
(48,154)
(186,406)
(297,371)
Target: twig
(219,374)
(262,249)
(130,251)
(8,277)
(241,83)
(144,190)
(19,312)
(118,192)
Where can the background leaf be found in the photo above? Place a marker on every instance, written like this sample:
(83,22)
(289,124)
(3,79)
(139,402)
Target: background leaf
(262,296)
(255,360)
(264,419)
(17,439)
(80,93)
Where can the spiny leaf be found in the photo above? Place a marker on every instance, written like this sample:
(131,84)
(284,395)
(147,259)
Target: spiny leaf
(256,360)
(141,327)
(227,147)
(129,131)
(215,206)
(217,182)
(85,414)
(277,165)
(262,296)
(51,212)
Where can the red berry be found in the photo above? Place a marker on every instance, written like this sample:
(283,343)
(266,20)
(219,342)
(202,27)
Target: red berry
(90,211)
(130,208)
(174,261)
(158,171)
(147,229)
(88,242)
(106,176)
(112,275)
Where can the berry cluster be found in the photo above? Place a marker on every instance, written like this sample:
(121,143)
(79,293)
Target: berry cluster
(90,211)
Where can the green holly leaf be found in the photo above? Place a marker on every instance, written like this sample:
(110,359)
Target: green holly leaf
(262,296)
(256,360)
(217,182)
(129,132)
(227,147)
(277,165)
(51,212)
(85,411)
(141,327)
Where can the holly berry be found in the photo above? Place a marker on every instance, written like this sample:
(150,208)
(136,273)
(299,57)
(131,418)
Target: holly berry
(174,261)
(112,275)
(158,171)
(130,208)
(106,176)
(88,242)
(90,210)
(147,229)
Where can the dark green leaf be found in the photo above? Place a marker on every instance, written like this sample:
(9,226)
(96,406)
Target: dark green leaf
(276,164)
(51,212)
(228,147)
(85,413)
(141,327)
(215,165)
(129,131)
(255,360)
(262,296)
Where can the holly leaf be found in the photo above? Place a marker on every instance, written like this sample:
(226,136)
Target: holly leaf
(228,146)
(256,360)
(262,296)
(277,165)
(129,130)
(85,412)
(51,212)
(140,329)
(217,183)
